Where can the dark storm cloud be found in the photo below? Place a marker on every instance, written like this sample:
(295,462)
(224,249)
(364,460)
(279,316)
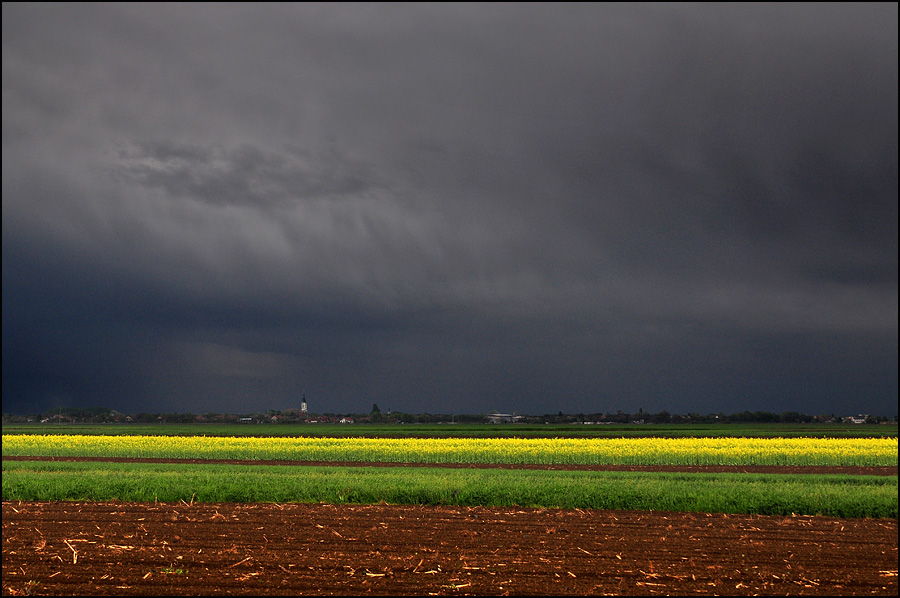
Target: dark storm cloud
(451,207)
(245,175)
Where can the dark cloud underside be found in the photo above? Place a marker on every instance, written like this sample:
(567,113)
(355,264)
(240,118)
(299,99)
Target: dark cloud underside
(451,207)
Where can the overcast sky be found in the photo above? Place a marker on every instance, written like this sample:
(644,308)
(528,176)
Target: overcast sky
(451,208)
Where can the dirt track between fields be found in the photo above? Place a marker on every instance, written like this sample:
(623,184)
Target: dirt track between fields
(116,548)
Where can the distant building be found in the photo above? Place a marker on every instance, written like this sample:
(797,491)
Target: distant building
(503,418)
(303,408)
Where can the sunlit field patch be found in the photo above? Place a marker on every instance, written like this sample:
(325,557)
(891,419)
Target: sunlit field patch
(773,494)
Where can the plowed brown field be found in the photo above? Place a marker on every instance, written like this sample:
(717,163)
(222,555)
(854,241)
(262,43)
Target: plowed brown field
(116,548)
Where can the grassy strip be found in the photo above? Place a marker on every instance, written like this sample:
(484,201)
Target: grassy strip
(831,495)
(470,430)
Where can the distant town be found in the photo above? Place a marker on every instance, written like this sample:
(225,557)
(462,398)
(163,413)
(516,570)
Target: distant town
(301,415)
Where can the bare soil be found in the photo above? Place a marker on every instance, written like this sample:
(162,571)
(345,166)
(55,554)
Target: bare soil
(118,548)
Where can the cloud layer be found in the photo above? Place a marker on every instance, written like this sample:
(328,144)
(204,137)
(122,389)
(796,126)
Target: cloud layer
(450,208)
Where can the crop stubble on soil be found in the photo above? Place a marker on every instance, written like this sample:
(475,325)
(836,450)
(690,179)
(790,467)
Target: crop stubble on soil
(117,548)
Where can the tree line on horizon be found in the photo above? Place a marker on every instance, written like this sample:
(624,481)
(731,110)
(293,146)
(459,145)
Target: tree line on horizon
(287,416)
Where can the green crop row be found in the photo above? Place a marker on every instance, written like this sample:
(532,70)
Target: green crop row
(830,430)
(831,495)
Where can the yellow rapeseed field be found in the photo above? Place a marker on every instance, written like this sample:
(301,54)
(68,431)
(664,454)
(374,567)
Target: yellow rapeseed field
(593,451)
